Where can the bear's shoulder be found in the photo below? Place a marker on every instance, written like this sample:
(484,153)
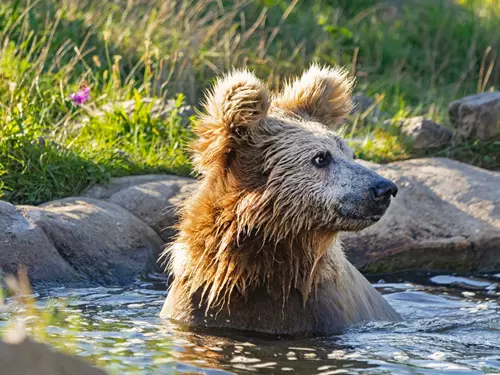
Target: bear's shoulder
(332,306)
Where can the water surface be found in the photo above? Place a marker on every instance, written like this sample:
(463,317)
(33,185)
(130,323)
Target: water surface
(451,326)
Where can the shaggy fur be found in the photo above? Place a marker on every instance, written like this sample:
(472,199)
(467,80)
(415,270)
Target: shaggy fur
(264,223)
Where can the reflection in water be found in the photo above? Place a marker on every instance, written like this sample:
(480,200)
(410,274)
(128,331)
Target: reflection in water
(451,326)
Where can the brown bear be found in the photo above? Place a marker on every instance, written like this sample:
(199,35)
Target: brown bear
(258,246)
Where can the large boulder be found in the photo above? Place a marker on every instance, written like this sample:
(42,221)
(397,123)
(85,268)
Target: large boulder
(476,116)
(424,133)
(153,199)
(105,191)
(77,241)
(23,242)
(156,203)
(365,111)
(446,216)
(361,103)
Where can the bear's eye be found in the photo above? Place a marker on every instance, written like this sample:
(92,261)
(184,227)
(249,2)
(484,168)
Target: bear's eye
(322,160)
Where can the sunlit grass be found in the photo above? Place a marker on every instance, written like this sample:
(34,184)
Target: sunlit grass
(415,58)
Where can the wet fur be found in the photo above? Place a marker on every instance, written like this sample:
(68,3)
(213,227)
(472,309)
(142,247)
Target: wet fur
(258,245)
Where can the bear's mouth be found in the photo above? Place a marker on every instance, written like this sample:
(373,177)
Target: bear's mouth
(355,215)
(350,223)
(372,218)
(346,214)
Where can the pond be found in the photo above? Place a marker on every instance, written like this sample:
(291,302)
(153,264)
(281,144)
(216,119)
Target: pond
(451,326)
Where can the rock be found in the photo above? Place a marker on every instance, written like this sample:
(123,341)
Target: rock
(153,198)
(105,191)
(100,239)
(28,357)
(476,116)
(22,242)
(424,133)
(86,241)
(361,103)
(155,203)
(77,241)
(446,216)
(432,224)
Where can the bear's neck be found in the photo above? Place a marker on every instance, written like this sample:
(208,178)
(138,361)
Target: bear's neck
(219,261)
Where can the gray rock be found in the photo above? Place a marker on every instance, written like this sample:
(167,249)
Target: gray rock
(155,203)
(424,133)
(432,224)
(152,198)
(361,103)
(476,116)
(27,357)
(77,241)
(446,216)
(23,242)
(105,191)
(101,239)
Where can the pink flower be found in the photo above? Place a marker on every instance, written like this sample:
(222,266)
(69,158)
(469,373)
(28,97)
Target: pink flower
(81,96)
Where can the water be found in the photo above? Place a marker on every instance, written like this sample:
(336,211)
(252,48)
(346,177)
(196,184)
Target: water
(451,326)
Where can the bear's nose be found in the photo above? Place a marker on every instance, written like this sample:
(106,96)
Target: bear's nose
(383,189)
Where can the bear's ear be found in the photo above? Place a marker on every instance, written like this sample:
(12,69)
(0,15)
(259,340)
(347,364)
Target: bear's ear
(237,102)
(238,99)
(322,94)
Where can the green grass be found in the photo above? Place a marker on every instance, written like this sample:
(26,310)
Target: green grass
(415,58)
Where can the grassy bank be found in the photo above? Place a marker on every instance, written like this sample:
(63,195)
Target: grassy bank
(413,57)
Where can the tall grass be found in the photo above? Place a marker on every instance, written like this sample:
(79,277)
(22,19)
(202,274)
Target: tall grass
(415,55)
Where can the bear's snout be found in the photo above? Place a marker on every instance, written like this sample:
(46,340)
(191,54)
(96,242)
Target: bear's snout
(382,190)
(367,199)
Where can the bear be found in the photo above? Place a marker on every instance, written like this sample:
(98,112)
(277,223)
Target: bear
(258,246)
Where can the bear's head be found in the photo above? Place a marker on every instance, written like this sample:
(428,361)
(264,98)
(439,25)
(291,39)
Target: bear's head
(276,162)
(277,186)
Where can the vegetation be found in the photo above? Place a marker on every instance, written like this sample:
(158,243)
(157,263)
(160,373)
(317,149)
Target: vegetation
(414,57)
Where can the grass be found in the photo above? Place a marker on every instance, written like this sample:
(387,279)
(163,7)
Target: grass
(414,58)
